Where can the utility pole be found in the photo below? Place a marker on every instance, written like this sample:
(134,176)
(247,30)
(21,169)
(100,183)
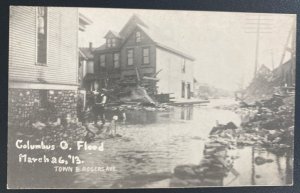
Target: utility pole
(290,39)
(257,45)
(290,47)
(258,24)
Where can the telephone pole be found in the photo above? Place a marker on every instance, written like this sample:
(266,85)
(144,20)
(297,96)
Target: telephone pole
(291,39)
(258,24)
(290,47)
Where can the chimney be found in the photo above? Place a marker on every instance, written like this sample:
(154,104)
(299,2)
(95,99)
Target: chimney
(91,46)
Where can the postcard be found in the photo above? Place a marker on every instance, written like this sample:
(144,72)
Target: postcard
(105,98)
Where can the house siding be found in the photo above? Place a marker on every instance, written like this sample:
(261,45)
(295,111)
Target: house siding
(62,53)
(58,79)
(171,76)
(109,65)
(168,62)
(130,43)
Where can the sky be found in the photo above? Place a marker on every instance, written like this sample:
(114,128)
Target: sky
(223,43)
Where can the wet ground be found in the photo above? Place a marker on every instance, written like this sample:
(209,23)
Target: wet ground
(154,143)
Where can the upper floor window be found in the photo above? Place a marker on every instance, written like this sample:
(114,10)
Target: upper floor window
(102,60)
(183,66)
(42,35)
(116,60)
(146,59)
(109,43)
(113,42)
(138,36)
(130,57)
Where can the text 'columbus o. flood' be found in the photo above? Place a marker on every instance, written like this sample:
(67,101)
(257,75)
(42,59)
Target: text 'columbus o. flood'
(80,145)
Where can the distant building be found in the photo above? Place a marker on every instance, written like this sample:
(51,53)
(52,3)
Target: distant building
(86,76)
(43,61)
(141,49)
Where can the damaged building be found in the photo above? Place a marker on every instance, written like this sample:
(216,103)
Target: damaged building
(140,52)
(280,81)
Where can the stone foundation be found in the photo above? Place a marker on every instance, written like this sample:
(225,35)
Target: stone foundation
(28,105)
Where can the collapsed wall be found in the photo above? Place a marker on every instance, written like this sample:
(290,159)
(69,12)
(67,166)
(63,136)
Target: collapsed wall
(137,94)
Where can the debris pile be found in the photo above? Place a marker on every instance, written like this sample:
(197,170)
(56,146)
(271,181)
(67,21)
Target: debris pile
(129,93)
(261,87)
(272,126)
(215,164)
(268,124)
(140,107)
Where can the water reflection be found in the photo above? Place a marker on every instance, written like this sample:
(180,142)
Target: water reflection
(187,113)
(141,117)
(275,170)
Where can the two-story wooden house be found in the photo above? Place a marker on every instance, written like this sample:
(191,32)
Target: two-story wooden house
(142,49)
(43,61)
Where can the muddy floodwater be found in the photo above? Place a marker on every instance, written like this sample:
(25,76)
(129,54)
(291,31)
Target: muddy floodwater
(157,142)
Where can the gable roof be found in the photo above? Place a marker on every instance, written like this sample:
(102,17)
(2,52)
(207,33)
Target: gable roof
(86,53)
(164,41)
(155,34)
(115,34)
(130,25)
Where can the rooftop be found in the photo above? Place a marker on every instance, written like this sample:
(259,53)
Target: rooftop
(86,52)
(83,22)
(154,32)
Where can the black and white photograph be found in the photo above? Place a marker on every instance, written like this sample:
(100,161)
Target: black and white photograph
(111,98)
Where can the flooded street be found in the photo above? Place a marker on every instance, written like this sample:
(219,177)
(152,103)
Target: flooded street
(123,98)
(153,143)
(156,142)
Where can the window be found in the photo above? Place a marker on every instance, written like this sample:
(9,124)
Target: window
(116,60)
(109,43)
(183,66)
(102,60)
(182,89)
(138,36)
(188,87)
(113,42)
(41,35)
(130,57)
(146,56)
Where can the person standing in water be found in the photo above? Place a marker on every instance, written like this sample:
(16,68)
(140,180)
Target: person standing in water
(100,100)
